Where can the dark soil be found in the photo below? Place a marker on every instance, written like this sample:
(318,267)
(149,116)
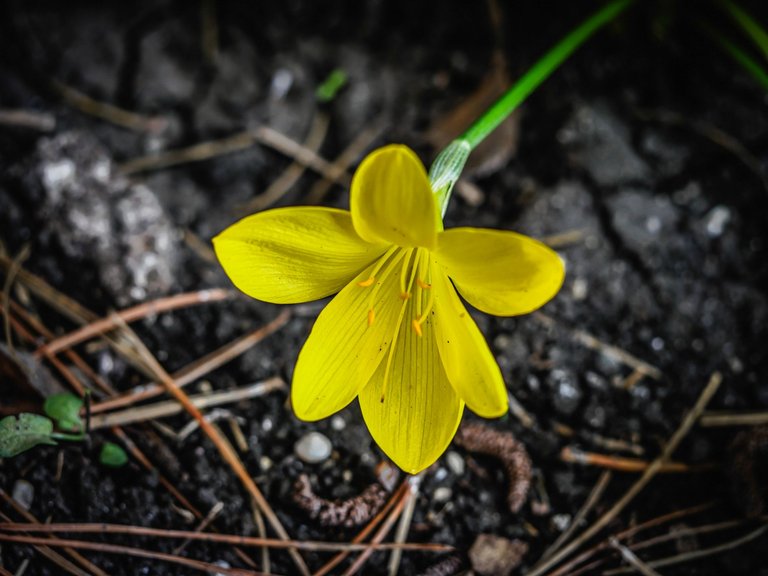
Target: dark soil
(649,140)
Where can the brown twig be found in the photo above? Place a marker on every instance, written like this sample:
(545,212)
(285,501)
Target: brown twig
(200,367)
(201,401)
(632,559)
(129,551)
(76,556)
(240,141)
(589,504)
(283,184)
(99,327)
(512,454)
(713,419)
(40,121)
(396,498)
(108,112)
(236,539)
(13,270)
(649,473)
(386,526)
(346,159)
(225,449)
(608,350)
(577,456)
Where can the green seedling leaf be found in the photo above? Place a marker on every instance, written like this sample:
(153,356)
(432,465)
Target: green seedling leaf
(64,409)
(330,87)
(112,455)
(21,432)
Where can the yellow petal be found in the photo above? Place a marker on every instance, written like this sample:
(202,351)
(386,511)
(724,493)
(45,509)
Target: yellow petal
(500,272)
(343,351)
(468,362)
(421,411)
(290,255)
(391,200)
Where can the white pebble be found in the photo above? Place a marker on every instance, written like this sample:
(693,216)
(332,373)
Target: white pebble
(24,493)
(442,494)
(313,448)
(455,462)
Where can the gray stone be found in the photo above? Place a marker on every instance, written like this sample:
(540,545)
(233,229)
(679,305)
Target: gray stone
(313,448)
(492,555)
(24,493)
(102,218)
(599,141)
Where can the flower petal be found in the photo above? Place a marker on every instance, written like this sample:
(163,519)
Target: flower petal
(468,362)
(421,411)
(343,351)
(391,200)
(290,255)
(500,272)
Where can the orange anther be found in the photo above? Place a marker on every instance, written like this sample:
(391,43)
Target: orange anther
(405,295)
(416,327)
(366,283)
(423,285)
(371,316)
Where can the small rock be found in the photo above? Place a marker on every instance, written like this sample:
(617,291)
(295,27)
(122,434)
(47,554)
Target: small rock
(455,463)
(24,493)
(442,494)
(338,423)
(561,521)
(716,221)
(567,394)
(313,448)
(492,555)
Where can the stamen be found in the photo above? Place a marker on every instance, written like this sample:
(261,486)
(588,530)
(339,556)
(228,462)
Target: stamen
(372,278)
(423,284)
(393,343)
(422,316)
(392,262)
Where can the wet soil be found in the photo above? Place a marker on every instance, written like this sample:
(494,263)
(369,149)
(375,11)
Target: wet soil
(649,145)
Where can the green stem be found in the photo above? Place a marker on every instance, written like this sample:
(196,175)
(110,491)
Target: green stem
(540,71)
(746,61)
(749,25)
(69,437)
(447,167)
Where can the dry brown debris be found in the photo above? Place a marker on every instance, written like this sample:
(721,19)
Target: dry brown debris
(512,454)
(348,513)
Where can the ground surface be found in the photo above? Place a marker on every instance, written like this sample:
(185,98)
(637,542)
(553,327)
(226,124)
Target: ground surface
(648,148)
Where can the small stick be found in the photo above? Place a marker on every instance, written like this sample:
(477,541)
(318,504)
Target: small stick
(704,552)
(712,419)
(240,141)
(225,449)
(589,504)
(402,528)
(212,513)
(10,277)
(614,352)
(632,559)
(385,527)
(129,551)
(199,367)
(236,539)
(577,456)
(649,473)
(171,407)
(99,327)
(566,238)
(518,411)
(108,112)
(283,184)
(76,556)
(40,121)
(345,160)
(396,498)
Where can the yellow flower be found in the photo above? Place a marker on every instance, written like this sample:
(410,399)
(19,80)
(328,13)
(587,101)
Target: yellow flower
(396,335)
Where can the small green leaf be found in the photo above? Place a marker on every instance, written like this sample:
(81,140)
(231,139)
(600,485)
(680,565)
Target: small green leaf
(330,87)
(112,455)
(64,409)
(23,431)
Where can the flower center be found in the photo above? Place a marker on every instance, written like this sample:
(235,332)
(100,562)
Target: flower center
(415,277)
